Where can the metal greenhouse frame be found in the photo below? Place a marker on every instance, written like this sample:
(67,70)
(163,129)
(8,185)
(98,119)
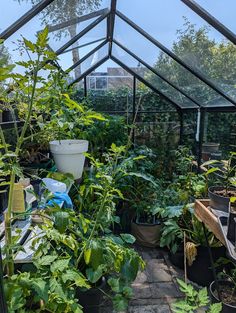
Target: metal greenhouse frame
(109,15)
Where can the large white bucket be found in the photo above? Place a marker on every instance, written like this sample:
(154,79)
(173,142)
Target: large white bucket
(68,156)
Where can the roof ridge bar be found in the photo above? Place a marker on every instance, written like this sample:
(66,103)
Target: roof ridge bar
(76,20)
(155,72)
(82,33)
(86,56)
(92,68)
(111,25)
(210,19)
(25,18)
(129,70)
(175,57)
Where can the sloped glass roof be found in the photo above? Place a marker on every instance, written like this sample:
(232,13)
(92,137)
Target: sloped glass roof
(223,10)
(180,49)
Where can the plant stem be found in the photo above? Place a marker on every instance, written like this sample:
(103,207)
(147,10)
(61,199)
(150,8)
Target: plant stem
(94,227)
(8,231)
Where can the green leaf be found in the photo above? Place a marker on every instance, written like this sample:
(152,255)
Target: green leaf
(29,44)
(76,277)
(114,283)
(46,260)
(94,275)
(215,308)
(128,238)
(61,221)
(60,265)
(120,303)
(87,255)
(41,288)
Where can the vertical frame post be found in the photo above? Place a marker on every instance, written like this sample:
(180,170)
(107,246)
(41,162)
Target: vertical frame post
(85,87)
(134,108)
(200,142)
(3,304)
(181,131)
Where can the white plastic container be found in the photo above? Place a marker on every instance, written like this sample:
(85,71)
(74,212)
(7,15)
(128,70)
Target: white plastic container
(68,156)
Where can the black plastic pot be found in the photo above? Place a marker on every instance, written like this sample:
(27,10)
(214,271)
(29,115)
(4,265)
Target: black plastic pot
(218,202)
(200,271)
(231,227)
(91,299)
(226,308)
(177,258)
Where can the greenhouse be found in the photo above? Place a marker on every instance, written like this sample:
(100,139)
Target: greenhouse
(117,156)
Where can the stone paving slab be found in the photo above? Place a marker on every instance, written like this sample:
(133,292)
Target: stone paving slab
(157,271)
(155,289)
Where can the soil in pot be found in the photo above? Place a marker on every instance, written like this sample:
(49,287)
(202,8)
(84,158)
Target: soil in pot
(200,271)
(227,294)
(219,200)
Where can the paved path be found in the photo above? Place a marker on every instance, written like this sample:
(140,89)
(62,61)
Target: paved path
(155,288)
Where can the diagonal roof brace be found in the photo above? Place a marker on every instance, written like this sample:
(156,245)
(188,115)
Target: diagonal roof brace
(129,70)
(25,18)
(155,72)
(176,58)
(82,33)
(91,52)
(210,19)
(77,20)
(92,68)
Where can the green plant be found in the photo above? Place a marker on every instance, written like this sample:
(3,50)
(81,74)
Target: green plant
(226,171)
(25,92)
(180,220)
(195,300)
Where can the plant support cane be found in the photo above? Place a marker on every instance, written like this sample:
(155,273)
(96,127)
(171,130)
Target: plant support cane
(212,263)
(3,305)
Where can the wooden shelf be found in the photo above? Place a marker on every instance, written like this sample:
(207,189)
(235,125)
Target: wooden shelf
(203,213)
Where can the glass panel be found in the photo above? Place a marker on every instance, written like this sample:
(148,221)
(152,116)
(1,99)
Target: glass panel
(189,37)
(109,76)
(61,36)
(93,37)
(12,11)
(153,79)
(223,10)
(165,65)
(51,15)
(89,62)
(67,59)
(110,87)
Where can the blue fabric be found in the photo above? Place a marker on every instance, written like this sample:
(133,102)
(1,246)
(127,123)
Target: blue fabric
(60,197)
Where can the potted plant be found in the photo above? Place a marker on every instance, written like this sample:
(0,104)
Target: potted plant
(195,300)
(181,226)
(226,290)
(65,123)
(143,201)
(231,232)
(220,195)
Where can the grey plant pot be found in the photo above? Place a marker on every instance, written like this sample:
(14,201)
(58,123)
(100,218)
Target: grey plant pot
(218,202)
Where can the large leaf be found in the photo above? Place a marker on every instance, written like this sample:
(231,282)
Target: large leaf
(94,275)
(128,238)
(60,265)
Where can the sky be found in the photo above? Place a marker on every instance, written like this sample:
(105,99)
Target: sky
(160,18)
